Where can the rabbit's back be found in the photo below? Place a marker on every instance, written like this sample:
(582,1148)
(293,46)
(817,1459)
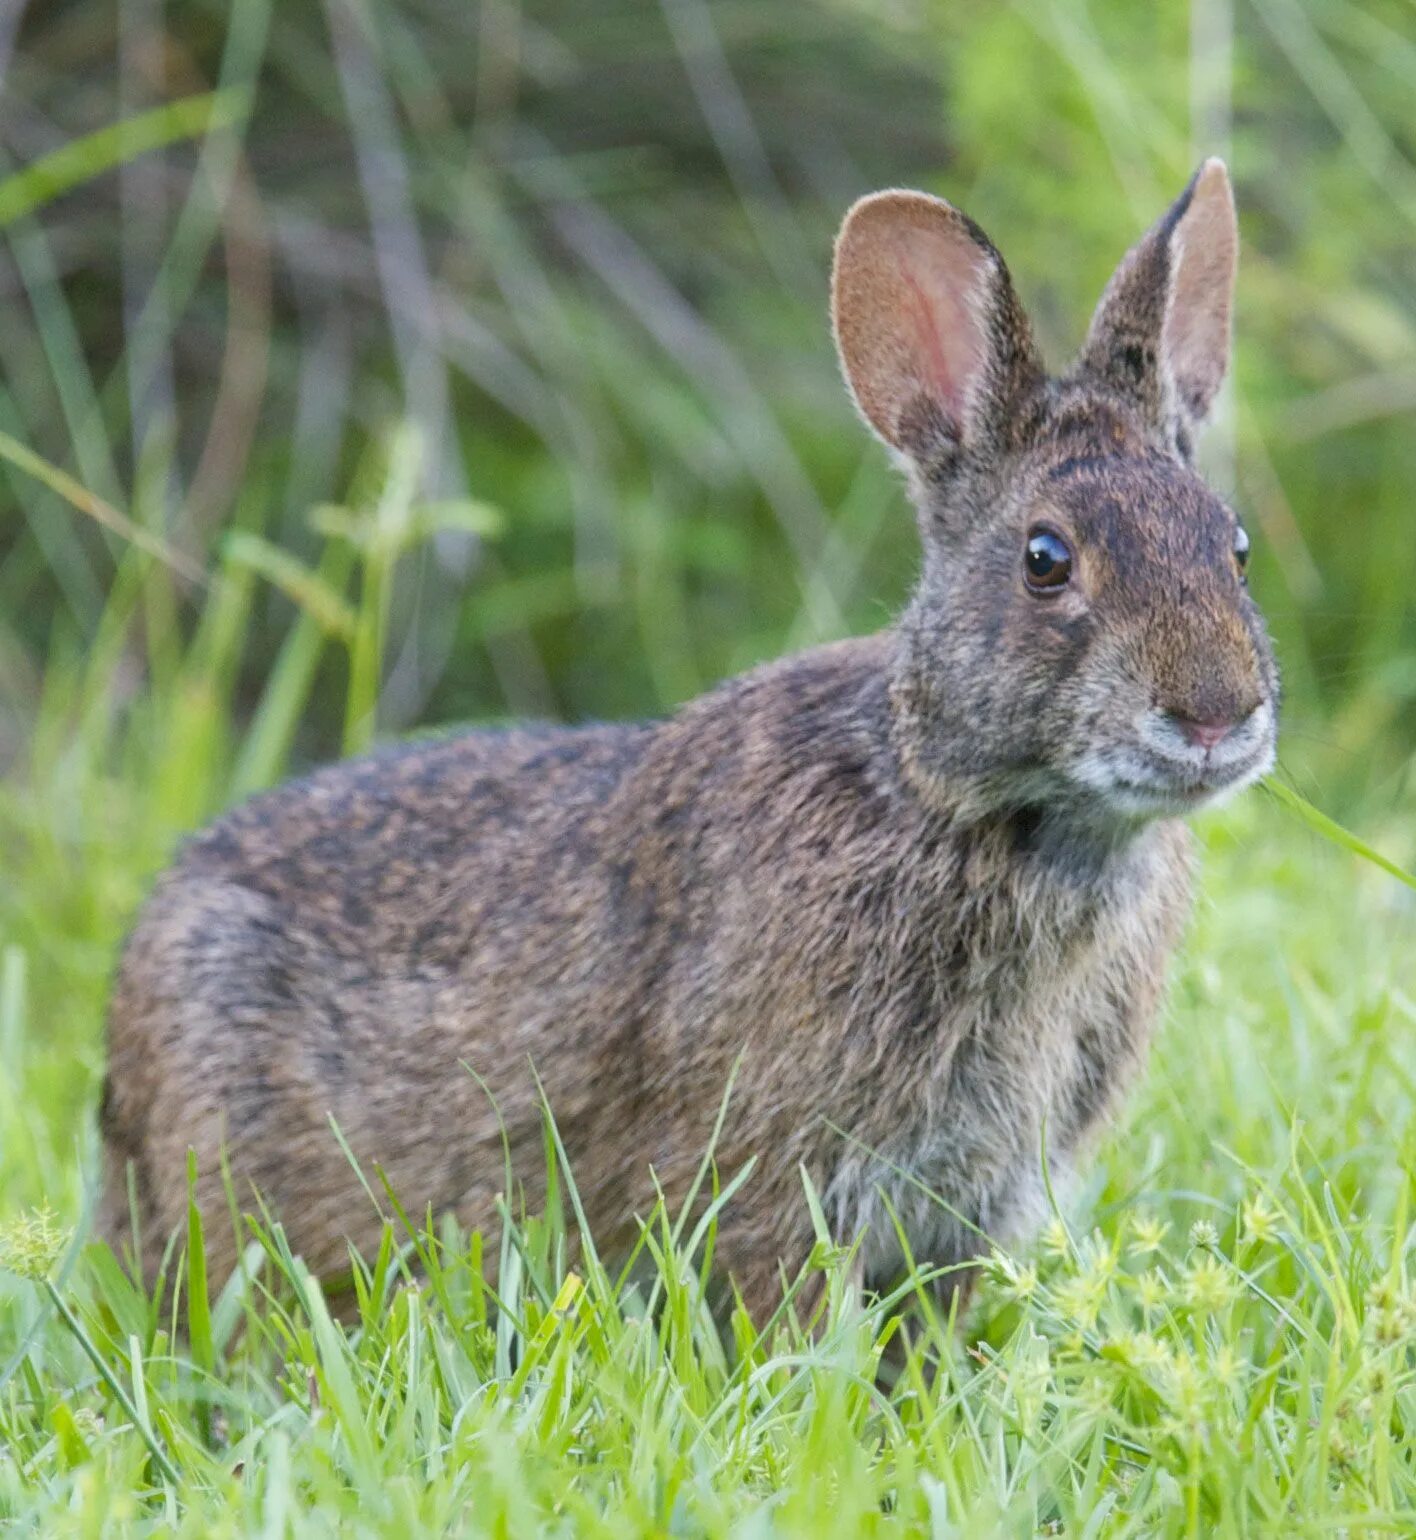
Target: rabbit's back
(398,858)
(347,948)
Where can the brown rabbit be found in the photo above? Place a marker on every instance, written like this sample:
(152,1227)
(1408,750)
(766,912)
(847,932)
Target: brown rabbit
(925,882)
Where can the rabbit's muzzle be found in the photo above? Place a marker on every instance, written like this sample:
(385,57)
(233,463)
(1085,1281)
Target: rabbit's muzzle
(1167,740)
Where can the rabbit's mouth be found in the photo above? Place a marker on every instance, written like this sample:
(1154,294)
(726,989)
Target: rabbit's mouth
(1158,774)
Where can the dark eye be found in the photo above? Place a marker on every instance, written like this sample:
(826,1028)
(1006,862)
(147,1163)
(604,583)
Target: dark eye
(1241,548)
(1048,563)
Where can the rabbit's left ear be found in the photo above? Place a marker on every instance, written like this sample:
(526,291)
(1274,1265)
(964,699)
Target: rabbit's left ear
(1160,336)
(933,342)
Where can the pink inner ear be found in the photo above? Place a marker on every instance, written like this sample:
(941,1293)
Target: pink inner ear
(943,276)
(914,293)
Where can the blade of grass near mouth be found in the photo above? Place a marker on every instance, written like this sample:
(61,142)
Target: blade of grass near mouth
(1332,831)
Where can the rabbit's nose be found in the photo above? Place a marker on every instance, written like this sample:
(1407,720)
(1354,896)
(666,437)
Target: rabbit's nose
(1204,732)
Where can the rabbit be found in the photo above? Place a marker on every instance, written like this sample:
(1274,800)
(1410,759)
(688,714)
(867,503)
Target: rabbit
(920,888)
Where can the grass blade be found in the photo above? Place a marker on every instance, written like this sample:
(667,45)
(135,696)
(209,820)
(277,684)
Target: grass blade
(97,508)
(83,159)
(1333,832)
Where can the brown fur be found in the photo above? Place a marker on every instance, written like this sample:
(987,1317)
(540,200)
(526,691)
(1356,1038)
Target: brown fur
(920,880)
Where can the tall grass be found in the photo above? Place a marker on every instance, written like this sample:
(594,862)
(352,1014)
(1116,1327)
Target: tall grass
(477,366)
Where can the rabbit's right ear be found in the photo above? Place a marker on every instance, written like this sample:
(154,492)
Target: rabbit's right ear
(1160,336)
(932,339)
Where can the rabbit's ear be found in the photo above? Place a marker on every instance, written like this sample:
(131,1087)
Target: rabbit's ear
(932,339)
(1160,336)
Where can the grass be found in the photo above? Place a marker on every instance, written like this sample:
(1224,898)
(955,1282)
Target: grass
(218,562)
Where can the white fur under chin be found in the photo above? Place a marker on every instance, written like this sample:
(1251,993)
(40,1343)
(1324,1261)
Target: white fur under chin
(1160,774)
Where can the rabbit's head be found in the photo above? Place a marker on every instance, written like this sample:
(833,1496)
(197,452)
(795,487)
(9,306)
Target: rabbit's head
(1082,635)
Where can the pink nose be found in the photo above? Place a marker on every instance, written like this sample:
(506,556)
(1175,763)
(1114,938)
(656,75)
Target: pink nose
(1204,732)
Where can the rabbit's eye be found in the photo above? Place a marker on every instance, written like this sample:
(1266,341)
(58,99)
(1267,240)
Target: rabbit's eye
(1241,548)
(1048,563)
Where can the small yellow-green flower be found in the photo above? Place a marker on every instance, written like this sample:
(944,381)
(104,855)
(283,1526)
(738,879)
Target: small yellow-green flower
(1153,1289)
(1204,1234)
(1342,1449)
(1137,1349)
(1055,1239)
(1260,1222)
(1148,1352)
(1099,1257)
(1148,1234)
(1001,1268)
(1387,1328)
(1383,1296)
(1390,1315)
(1079,1299)
(30,1244)
(1208,1285)
(1023,1284)
(1227,1366)
(1184,1387)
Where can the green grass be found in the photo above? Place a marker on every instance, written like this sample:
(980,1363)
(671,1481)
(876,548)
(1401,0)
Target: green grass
(222,558)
